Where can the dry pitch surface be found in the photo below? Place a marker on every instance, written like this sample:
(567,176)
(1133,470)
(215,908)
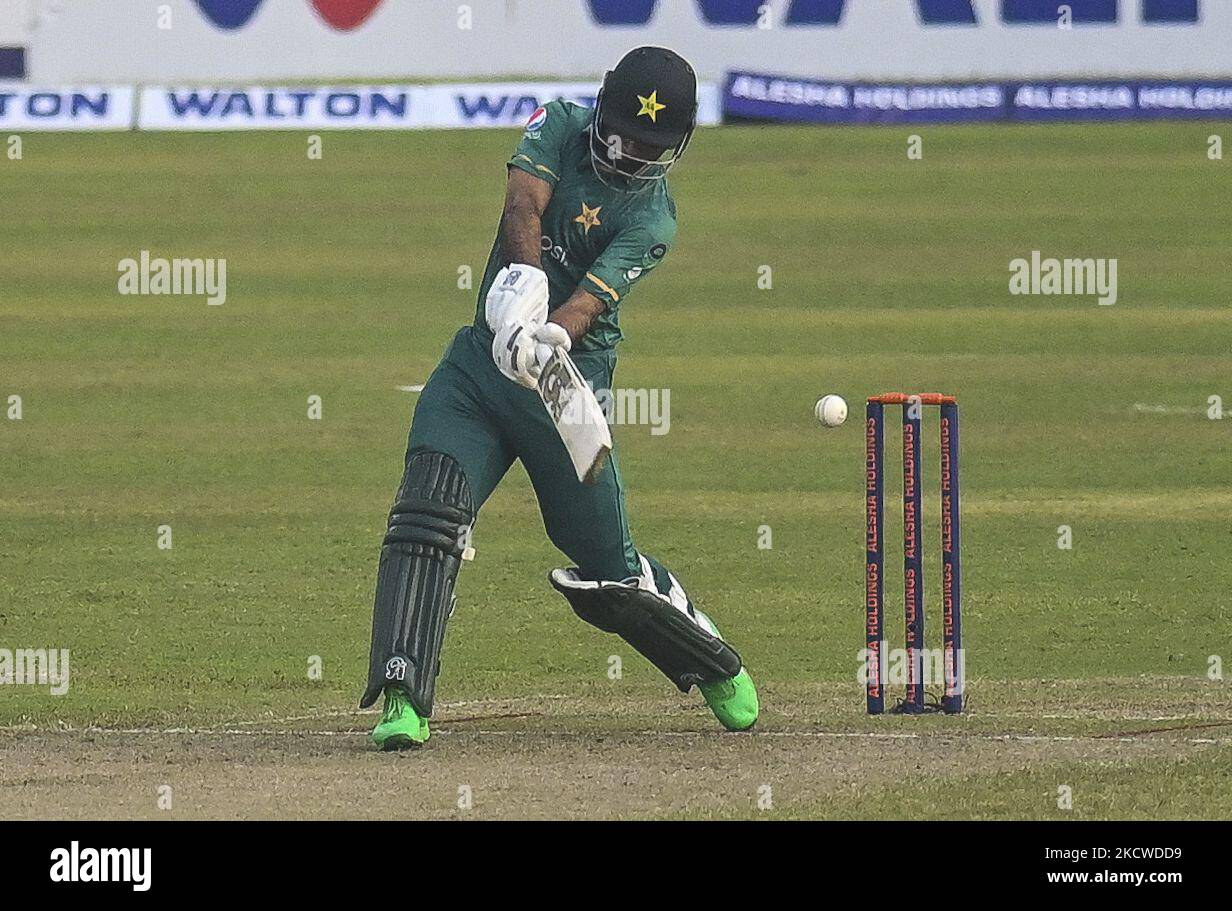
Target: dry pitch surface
(556,756)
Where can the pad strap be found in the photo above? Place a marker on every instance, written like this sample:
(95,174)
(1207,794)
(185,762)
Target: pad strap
(668,636)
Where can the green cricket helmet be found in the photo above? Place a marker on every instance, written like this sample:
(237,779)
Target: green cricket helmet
(644,117)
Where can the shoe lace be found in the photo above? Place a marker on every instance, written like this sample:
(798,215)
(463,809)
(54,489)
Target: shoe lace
(723,689)
(395,705)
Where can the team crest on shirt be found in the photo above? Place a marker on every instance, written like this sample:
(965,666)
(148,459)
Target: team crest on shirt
(536,122)
(589,218)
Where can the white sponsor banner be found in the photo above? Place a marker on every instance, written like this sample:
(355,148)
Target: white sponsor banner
(381,107)
(36,108)
(510,104)
(499,104)
(396,107)
(285,41)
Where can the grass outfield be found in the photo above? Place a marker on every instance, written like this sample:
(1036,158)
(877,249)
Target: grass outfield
(1088,667)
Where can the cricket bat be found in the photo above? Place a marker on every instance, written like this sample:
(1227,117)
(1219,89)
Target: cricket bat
(576,412)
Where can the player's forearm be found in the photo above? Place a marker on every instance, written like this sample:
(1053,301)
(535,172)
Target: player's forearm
(520,235)
(578,314)
(526,198)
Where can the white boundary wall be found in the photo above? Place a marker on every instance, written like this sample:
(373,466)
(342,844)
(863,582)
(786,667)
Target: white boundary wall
(117,41)
(15,19)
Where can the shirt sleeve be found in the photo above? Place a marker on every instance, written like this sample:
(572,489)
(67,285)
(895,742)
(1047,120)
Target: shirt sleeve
(631,255)
(539,152)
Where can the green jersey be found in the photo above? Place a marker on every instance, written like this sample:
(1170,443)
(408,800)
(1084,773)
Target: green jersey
(594,236)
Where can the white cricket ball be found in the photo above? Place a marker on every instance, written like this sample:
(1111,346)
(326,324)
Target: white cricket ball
(831,410)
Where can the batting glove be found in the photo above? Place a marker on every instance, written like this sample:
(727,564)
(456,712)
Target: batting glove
(521,350)
(519,294)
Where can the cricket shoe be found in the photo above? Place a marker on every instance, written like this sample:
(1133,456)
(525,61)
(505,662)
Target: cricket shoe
(733,701)
(401,727)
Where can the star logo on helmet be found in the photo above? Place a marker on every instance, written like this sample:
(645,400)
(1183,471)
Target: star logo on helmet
(651,106)
(589,217)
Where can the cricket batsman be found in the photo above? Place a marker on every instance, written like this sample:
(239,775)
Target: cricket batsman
(588,215)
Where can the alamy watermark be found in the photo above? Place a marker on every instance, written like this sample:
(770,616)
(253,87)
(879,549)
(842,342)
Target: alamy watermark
(896,667)
(1049,275)
(645,407)
(651,407)
(36,667)
(76,864)
(180,276)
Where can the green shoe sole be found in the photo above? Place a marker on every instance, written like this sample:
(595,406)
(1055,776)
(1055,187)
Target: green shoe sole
(396,742)
(733,701)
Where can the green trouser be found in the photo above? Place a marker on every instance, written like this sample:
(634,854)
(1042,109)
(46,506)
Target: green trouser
(469,410)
